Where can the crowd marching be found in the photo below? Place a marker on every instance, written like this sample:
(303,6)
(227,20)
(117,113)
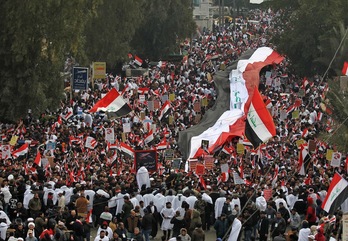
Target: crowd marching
(60,177)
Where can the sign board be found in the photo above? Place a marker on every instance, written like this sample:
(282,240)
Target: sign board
(146,158)
(126,127)
(209,162)
(193,164)
(50,146)
(295,114)
(312,145)
(171,97)
(176,163)
(197,106)
(345,226)
(237,179)
(205,102)
(99,70)
(240,148)
(150,105)
(329,153)
(141,98)
(336,159)
(164,98)
(169,154)
(80,78)
(224,167)
(109,134)
(199,169)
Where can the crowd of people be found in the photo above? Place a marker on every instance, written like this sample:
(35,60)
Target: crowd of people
(73,189)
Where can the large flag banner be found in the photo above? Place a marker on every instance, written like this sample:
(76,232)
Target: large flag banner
(23,150)
(259,126)
(112,102)
(336,195)
(345,68)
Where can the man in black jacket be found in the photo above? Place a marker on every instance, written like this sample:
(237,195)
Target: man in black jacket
(147,223)
(263,226)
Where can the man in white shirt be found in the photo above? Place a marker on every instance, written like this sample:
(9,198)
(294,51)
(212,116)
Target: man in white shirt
(101,236)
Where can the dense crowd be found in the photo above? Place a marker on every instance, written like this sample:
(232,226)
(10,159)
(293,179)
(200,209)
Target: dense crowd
(74,188)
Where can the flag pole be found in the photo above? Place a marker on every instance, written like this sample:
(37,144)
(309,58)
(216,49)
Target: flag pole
(230,228)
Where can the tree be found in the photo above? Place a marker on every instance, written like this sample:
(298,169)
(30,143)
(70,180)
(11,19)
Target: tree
(109,33)
(35,38)
(165,24)
(311,21)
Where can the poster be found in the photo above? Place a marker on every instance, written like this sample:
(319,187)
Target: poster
(171,97)
(336,159)
(345,227)
(80,78)
(176,163)
(199,169)
(237,179)
(224,167)
(193,164)
(329,153)
(126,127)
(141,98)
(209,162)
(146,158)
(169,154)
(295,114)
(109,134)
(99,70)
(150,105)
(5,151)
(240,148)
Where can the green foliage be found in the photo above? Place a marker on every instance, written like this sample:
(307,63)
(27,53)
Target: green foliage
(338,99)
(35,37)
(165,24)
(108,34)
(309,23)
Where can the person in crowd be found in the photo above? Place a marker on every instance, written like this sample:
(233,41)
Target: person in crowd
(198,234)
(167,214)
(178,223)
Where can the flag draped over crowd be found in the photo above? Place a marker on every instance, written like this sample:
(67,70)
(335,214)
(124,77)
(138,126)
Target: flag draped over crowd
(244,81)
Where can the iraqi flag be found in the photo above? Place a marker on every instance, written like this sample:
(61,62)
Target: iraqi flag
(149,137)
(164,110)
(162,145)
(138,61)
(112,102)
(336,195)
(345,68)
(259,126)
(303,160)
(23,150)
(126,149)
(37,160)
